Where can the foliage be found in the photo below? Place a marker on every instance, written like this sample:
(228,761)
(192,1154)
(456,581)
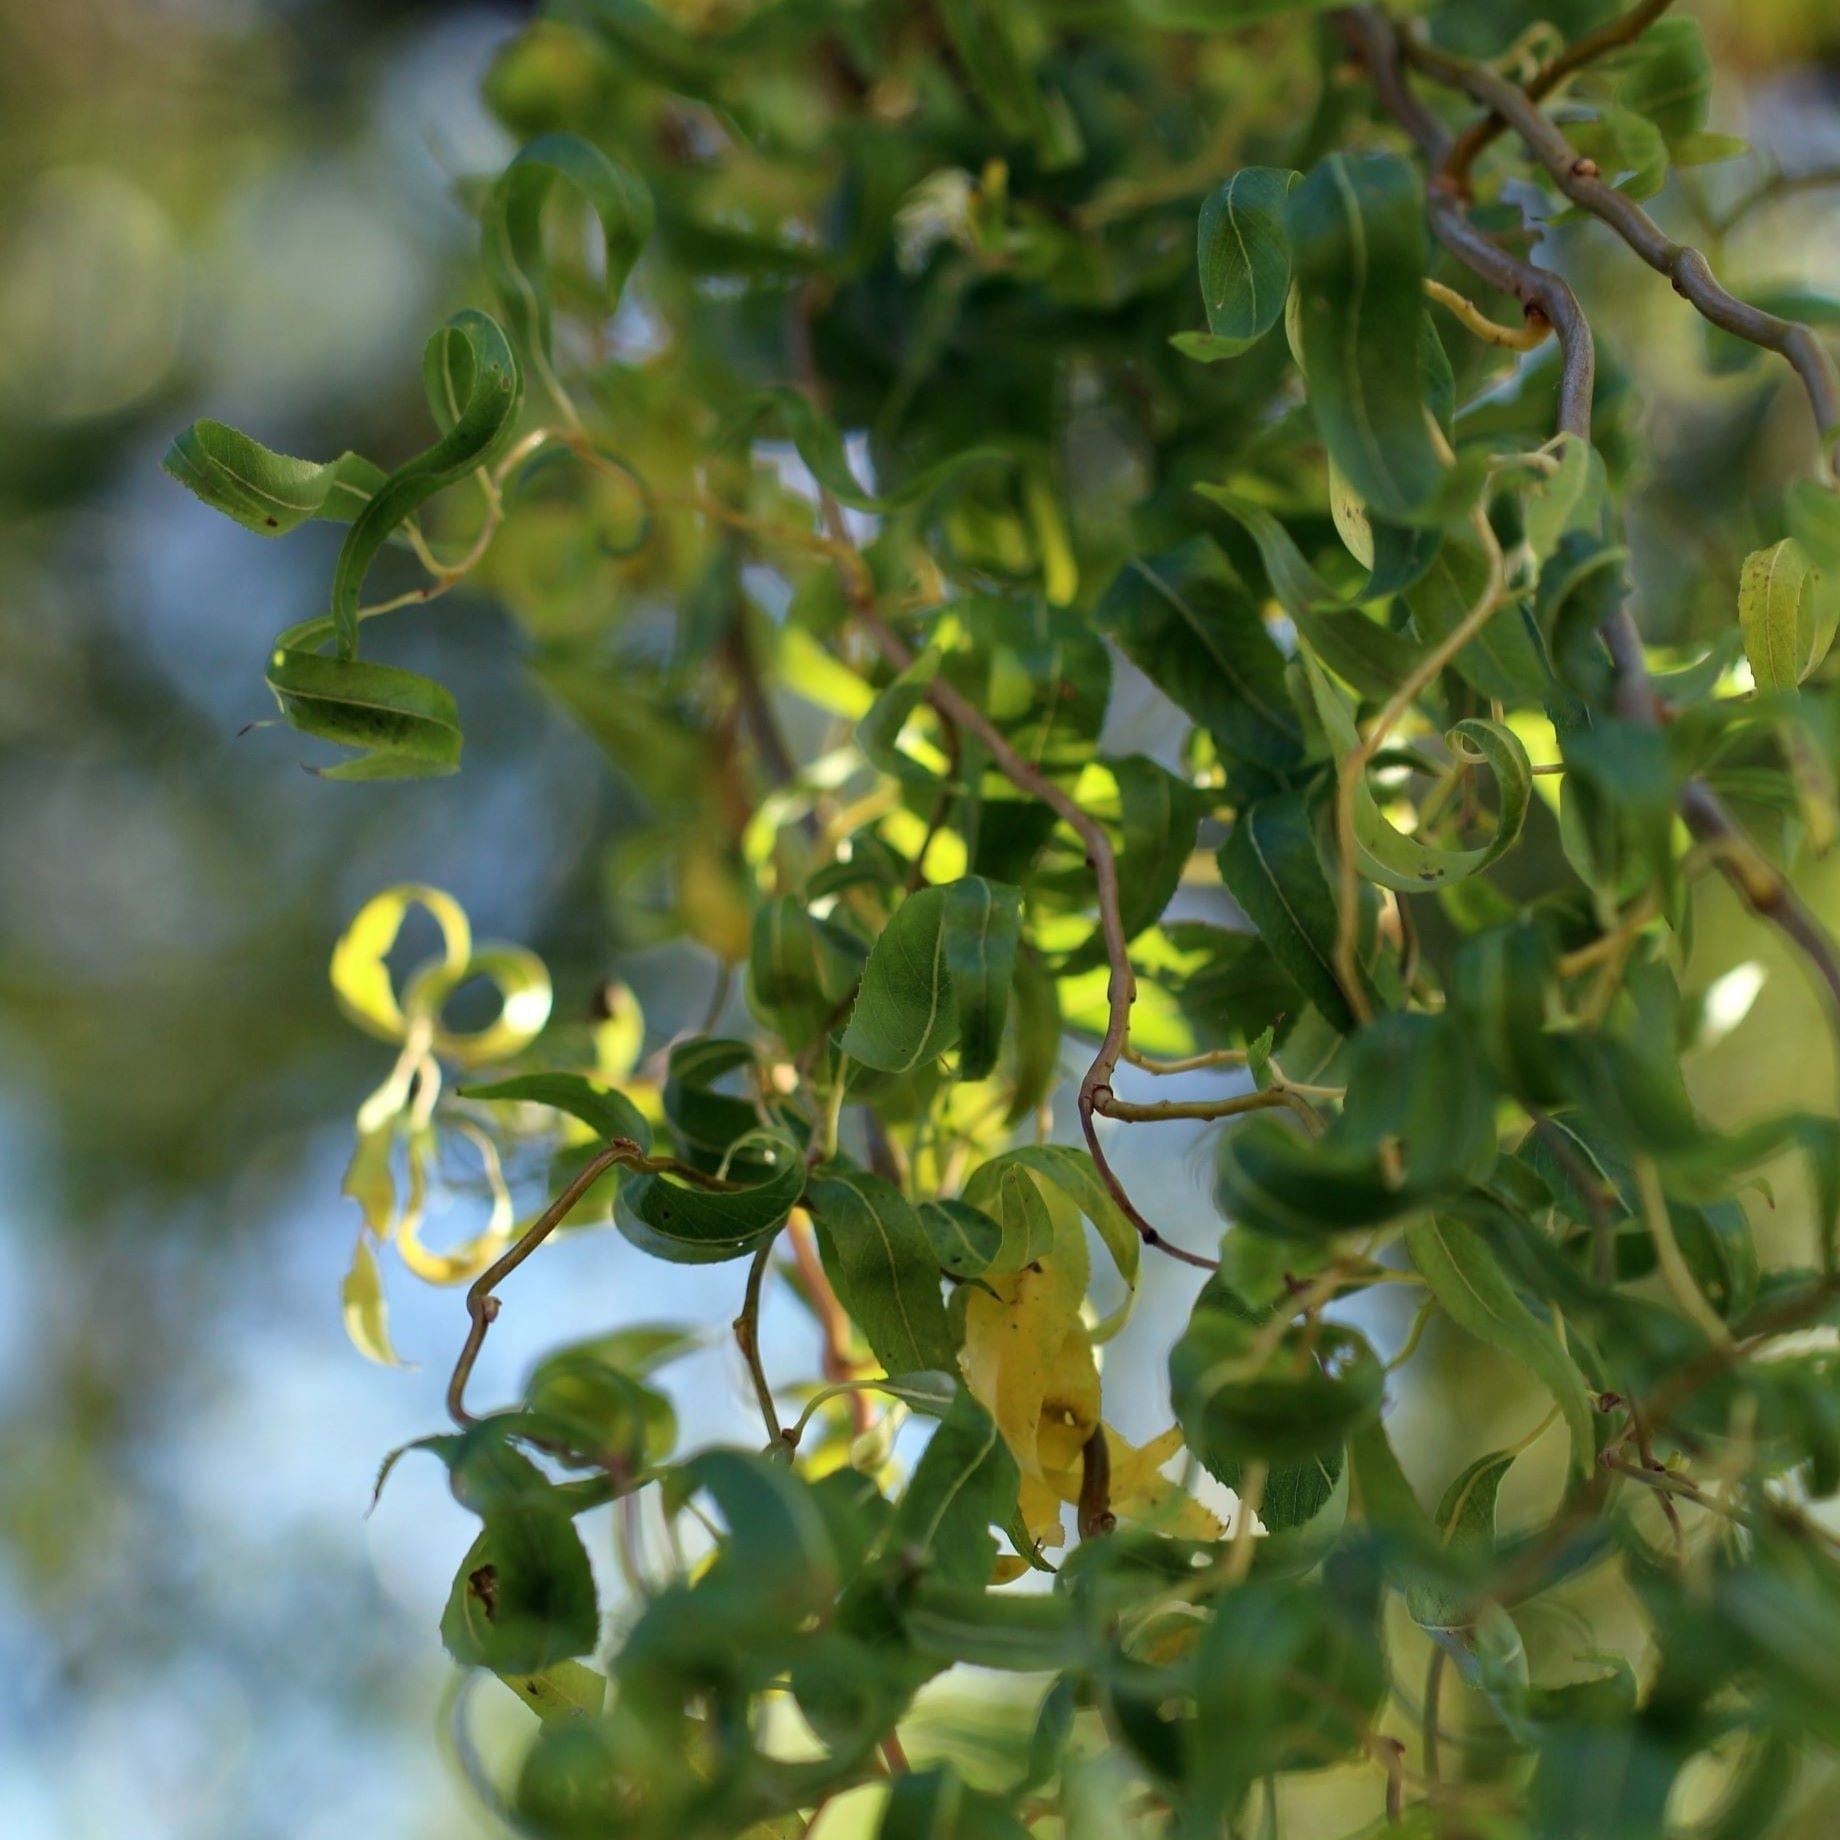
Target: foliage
(878,400)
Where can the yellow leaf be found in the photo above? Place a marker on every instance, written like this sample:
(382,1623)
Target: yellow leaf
(1028,1361)
(360,973)
(463,1263)
(370,1180)
(524,997)
(1141,1492)
(367,1316)
(619,1038)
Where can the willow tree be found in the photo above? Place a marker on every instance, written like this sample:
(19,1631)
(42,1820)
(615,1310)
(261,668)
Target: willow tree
(857,390)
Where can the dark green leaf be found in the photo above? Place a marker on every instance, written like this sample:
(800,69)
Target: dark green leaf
(1359,250)
(883,1268)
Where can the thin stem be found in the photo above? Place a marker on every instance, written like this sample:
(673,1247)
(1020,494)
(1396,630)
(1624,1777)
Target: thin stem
(747,1337)
(1428,1729)
(1471,317)
(1163,1110)
(482,1306)
(836,1362)
(1613,35)
(1095,1506)
(1675,1271)
(1685,267)
(1188,1063)
(1252,1480)
(1351,772)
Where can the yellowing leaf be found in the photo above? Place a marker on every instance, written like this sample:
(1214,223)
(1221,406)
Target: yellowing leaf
(463,1263)
(1028,1360)
(619,1038)
(1786,633)
(524,1004)
(1141,1492)
(360,975)
(367,1315)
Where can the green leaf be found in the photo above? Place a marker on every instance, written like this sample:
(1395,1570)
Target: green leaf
(402,725)
(935,1804)
(940,967)
(602,1411)
(1414,1082)
(523,1598)
(1465,1523)
(980,926)
(1271,867)
(1506,660)
(1668,78)
(993,43)
(1359,251)
(1273,1181)
(473,390)
(965,1240)
(1188,623)
(1571,498)
(963,1485)
(1287,1677)
(1781,615)
(881,1264)
(800,969)
(955,1622)
(1407,863)
(778,1547)
(606,1112)
(1371,657)
(567,1690)
(513,251)
(264,491)
(674,1220)
(1300,1402)
(819,443)
(1245,257)
(1004,1193)
(1470,1286)
(710,1124)
(903,1015)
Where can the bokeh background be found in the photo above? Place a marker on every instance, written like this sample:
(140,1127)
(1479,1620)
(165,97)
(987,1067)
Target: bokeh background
(253,209)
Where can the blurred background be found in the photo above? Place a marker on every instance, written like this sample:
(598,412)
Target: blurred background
(251,209)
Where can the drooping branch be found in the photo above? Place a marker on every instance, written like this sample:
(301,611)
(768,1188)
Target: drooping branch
(483,1307)
(1612,35)
(1095,1095)
(1375,43)
(1380,47)
(1684,266)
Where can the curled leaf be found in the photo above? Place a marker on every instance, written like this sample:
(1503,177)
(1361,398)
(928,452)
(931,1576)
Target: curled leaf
(400,724)
(473,388)
(264,491)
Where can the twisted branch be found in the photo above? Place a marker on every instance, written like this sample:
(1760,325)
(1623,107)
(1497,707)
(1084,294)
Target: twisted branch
(1380,47)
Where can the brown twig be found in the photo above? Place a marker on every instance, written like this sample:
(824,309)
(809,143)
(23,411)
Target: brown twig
(482,1306)
(836,1362)
(1380,47)
(1612,35)
(1095,1096)
(1095,1506)
(747,1338)
(1375,43)
(1684,266)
